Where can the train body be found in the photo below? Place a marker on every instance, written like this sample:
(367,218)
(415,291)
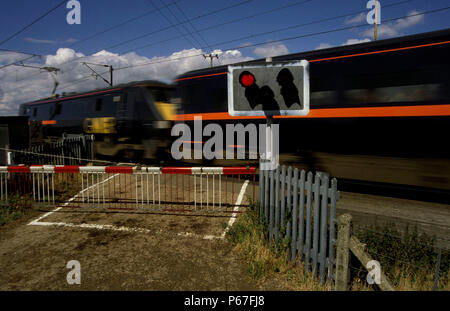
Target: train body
(129,121)
(379,111)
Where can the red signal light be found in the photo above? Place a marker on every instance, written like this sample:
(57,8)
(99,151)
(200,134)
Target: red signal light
(246,79)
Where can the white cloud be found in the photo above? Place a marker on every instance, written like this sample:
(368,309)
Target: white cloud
(355,41)
(356,19)
(271,49)
(245,44)
(10,57)
(62,55)
(42,41)
(395,28)
(324,46)
(30,85)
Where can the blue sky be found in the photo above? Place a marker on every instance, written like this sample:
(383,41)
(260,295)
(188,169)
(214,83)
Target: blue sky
(59,42)
(53,32)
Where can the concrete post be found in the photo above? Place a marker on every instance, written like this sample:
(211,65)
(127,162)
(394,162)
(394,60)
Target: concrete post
(343,252)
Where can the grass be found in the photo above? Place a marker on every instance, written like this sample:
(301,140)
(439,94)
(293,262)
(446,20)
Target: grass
(407,258)
(18,204)
(13,210)
(265,263)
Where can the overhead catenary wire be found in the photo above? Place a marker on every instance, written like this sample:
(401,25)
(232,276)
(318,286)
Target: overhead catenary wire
(182,24)
(281,40)
(192,25)
(237,20)
(172,24)
(192,19)
(18,61)
(188,31)
(267,32)
(32,23)
(10,51)
(305,24)
(122,23)
(294,37)
(153,32)
(261,43)
(196,31)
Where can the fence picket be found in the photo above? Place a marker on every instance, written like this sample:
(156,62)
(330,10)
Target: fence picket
(283,195)
(333,223)
(303,206)
(315,249)
(266,197)
(323,227)
(261,192)
(277,203)
(301,226)
(288,211)
(294,217)
(272,207)
(308,221)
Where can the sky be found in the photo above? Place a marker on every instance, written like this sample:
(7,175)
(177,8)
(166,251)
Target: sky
(160,39)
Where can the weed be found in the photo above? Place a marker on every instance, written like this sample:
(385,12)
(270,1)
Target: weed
(268,262)
(408,258)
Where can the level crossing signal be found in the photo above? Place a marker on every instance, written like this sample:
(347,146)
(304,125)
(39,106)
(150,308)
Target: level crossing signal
(269,90)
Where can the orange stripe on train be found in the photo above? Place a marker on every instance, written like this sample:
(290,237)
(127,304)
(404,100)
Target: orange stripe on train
(337,57)
(47,122)
(361,112)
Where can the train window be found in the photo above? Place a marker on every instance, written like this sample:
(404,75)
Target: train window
(35,112)
(221,99)
(58,108)
(98,104)
(162,94)
(323,98)
(394,94)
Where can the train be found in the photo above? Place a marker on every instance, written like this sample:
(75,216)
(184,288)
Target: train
(130,121)
(379,114)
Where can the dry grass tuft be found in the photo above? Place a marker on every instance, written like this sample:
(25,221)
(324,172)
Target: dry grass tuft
(268,263)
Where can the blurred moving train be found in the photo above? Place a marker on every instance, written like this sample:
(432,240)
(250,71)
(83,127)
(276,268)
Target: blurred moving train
(379,113)
(129,121)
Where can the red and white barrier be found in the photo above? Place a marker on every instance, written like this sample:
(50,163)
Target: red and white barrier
(127,169)
(125,187)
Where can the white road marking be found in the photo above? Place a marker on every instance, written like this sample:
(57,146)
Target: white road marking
(236,208)
(93,226)
(38,222)
(199,236)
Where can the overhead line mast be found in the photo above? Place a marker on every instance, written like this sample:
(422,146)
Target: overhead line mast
(51,70)
(211,57)
(96,74)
